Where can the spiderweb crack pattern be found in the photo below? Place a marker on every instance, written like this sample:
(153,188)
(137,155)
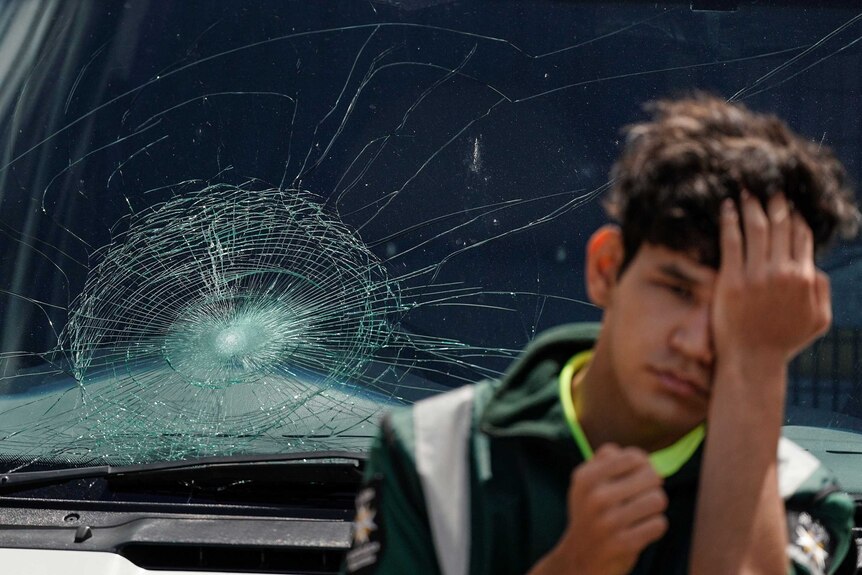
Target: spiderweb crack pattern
(223,314)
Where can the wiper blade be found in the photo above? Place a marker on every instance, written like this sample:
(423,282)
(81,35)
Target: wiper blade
(308,465)
(16,479)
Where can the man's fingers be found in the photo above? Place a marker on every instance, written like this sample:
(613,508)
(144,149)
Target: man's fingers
(731,237)
(824,301)
(611,477)
(803,241)
(617,500)
(637,482)
(641,507)
(781,229)
(611,462)
(608,450)
(756,227)
(645,532)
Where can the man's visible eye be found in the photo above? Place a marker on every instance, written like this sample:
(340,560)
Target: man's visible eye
(681,291)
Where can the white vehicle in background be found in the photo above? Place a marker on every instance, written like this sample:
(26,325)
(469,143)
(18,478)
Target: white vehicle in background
(233,234)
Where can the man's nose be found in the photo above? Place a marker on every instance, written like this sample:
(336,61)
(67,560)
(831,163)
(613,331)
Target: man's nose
(693,335)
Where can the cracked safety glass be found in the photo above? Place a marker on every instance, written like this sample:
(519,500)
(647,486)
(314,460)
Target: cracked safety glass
(235,228)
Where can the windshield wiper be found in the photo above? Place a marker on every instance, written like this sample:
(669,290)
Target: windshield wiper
(313,466)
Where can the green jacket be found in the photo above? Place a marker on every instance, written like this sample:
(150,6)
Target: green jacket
(482,474)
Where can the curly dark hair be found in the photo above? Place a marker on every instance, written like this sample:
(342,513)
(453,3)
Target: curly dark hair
(676,169)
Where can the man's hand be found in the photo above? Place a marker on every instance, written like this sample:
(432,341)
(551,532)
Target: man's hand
(616,505)
(770,300)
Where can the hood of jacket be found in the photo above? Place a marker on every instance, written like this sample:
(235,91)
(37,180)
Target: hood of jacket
(526,402)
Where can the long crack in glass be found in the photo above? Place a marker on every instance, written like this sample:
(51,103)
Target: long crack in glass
(247,232)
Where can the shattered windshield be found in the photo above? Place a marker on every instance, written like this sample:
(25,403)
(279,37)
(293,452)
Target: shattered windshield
(252,227)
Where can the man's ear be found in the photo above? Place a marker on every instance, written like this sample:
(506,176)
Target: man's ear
(605,253)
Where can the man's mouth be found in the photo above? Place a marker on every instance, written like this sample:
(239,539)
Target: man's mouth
(682,385)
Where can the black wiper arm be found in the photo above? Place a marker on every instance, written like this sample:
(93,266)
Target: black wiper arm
(171,470)
(17,479)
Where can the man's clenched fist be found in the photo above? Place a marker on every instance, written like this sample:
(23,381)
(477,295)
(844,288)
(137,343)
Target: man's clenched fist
(616,508)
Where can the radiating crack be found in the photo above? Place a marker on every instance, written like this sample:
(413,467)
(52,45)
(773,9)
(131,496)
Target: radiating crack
(224,313)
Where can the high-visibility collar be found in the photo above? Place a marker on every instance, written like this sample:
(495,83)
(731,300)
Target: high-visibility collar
(666,461)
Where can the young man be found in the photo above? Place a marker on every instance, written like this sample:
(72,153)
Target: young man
(651,444)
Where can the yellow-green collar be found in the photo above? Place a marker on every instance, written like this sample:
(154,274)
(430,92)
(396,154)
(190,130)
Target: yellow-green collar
(666,461)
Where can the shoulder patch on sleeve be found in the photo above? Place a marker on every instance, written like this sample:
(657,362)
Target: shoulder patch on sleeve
(809,543)
(367,545)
